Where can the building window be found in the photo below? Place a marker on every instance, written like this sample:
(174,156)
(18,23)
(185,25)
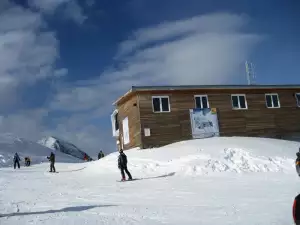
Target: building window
(297,95)
(272,101)
(115,123)
(161,104)
(239,101)
(201,101)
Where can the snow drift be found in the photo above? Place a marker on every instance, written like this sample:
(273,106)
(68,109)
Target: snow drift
(10,144)
(58,144)
(203,156)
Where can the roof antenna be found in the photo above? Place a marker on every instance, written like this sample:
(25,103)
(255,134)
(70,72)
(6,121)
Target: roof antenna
(250,73)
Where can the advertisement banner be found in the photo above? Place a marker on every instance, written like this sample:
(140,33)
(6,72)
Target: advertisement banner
(126,131)
(204,122)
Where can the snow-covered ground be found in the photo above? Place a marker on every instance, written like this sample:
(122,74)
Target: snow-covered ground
(212,181)
(10,144)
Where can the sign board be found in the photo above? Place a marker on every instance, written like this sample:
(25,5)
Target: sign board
(125,131)
(147,132)
(204,122)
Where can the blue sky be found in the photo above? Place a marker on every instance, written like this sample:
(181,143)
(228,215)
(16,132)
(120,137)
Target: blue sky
(63,62)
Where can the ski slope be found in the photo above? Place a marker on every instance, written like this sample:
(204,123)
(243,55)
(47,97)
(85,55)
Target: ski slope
(243,181)
(9,145)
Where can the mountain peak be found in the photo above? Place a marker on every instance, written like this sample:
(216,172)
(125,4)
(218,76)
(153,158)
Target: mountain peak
(57,144)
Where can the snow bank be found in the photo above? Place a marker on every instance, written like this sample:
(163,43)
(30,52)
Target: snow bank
(203,156)
(10,144)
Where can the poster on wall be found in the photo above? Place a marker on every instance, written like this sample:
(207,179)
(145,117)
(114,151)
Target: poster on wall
(125,131)
(204,123)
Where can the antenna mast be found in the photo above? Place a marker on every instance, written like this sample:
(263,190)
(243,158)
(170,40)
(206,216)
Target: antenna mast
(250,73)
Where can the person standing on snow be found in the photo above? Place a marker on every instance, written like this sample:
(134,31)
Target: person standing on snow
(122,165)
(297,162)
(100,155)
(16,160)
(52,161)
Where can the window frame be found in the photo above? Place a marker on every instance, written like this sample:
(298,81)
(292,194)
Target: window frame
(237,95)
(200,96)
(160,103)
(271,94)
(297,101)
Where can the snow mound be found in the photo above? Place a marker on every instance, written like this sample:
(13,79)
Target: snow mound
(57,144)
(211,155)
(9,145)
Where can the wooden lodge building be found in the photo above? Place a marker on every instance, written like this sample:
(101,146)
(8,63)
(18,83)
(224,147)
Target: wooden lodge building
(154,116)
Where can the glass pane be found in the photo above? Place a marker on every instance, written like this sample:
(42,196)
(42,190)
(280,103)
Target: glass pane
(156,104)
(298,99)
(165,104)
(269,101)
(242,102)
(198,102)
(204,102)
(235,103)
(275,101)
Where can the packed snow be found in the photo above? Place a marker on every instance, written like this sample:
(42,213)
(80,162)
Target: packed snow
(235,180)
(9,145)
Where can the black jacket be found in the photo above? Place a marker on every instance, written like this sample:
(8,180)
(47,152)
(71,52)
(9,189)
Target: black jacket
(122,160)
(52,158)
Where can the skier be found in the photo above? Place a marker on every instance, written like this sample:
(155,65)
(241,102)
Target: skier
(297,162)
(16,160)
(100,155)
(85,157)
(122,165)
(52,161)
(27,161)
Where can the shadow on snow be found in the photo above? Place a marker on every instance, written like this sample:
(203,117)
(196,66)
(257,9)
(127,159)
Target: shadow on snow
(67,209)
(156,177)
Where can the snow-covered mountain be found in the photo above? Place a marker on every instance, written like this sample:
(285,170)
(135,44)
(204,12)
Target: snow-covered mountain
(10,144)
(58,144)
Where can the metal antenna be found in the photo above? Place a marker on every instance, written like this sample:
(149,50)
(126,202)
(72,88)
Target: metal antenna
(250,73)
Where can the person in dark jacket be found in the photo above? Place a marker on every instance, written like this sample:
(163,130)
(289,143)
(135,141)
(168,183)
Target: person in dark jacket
(297,163)
(16,160)
(52,161)
(100,155)
(122,165)
(27,161)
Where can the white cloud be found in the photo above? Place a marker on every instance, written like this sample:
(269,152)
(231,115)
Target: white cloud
(61,72)
(70,8)
(47,6)
(206,49)
(27,54)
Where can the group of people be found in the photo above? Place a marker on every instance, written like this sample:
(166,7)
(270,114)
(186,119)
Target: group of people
(122,163)
(17,160)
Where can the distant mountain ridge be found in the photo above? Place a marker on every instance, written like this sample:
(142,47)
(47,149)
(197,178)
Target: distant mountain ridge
(10,144)
(58,144)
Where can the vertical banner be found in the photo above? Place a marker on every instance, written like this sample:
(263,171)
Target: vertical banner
(204,123)
(126,131)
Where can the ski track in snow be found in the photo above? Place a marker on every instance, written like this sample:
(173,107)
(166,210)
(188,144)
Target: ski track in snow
(228,182)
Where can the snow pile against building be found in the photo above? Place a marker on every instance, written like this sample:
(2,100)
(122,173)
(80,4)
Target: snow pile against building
(9,145)
(203,156)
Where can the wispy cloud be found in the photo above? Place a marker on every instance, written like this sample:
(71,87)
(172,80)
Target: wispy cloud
(70,8)
(207,49)
(27,53)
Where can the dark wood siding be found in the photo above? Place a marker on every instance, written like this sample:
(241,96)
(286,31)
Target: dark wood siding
(257,120)
(130,108)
